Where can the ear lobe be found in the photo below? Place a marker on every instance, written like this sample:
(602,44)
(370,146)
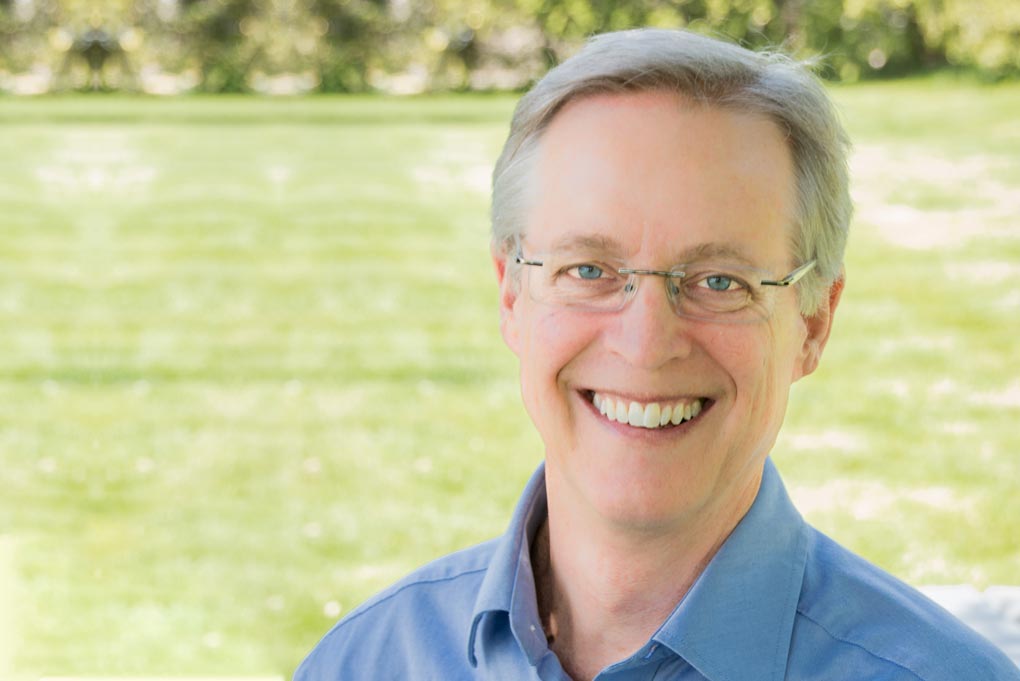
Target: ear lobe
(508,290)
(819,326)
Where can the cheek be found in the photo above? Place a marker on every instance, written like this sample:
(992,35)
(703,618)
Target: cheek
(763,381)
(552,341)
(751,363)
(747,355)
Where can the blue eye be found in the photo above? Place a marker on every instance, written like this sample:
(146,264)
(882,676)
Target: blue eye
(718,282)
(588,271)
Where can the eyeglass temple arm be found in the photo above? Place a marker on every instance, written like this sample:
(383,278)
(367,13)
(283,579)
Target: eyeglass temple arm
(521,260)
(793,277)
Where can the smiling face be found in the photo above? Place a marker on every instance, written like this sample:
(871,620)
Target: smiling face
(652,180)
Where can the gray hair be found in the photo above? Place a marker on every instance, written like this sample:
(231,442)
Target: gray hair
(712,72)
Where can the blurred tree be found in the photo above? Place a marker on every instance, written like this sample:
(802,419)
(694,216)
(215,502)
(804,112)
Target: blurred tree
(356,37)
(285,46)
(209,31)
(98,48)
(982,34)
(23,33)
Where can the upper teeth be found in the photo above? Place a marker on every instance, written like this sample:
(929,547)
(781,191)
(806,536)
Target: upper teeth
(651,415)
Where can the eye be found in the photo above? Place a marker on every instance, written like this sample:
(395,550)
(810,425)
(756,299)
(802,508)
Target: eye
(586,271)
(720,282)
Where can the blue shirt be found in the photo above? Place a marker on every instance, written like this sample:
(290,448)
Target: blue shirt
(778,601)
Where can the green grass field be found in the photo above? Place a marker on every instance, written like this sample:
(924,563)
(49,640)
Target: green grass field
(250,370)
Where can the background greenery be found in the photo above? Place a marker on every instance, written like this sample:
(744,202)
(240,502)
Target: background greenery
(250,369)
(287,46)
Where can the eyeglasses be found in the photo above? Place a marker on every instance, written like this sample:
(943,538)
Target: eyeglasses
(712,291)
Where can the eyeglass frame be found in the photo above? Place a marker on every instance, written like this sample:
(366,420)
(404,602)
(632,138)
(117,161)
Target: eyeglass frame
(790,279)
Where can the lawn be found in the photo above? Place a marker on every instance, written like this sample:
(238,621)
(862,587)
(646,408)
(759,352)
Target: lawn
(250,369)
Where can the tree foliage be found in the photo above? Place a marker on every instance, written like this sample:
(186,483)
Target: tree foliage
(416,45)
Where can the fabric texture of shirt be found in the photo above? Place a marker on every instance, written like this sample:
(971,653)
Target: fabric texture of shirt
(779,600)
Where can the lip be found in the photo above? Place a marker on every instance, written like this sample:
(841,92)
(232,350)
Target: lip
(643,398)
(586,396)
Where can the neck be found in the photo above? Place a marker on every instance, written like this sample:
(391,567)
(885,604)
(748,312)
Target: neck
(603,591)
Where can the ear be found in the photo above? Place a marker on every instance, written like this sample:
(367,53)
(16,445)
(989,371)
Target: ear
(819,326)
(508,293)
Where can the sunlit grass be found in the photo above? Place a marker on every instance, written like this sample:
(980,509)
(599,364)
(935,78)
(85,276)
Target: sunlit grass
(252,369)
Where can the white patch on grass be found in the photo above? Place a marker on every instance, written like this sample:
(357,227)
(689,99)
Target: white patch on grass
(140,388)
(897,387)
(378,573)
(864,500)
(335,404)
(458,162)
(275,603)
(1010,301)
(936,497)
(943,388)
(912,345)
(96,163)
(1009,397)
(838,440)
(868,500)
(12,297)
(925,565)
(293,388)
(983,272)
(427,388)
(231,404)
(332,609)
(958,427)
(279,174)
(990,208)
(8,623)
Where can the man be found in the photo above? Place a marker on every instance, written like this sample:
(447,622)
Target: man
(669,219)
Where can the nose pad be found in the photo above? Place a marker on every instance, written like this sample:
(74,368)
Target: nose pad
(648,332)
(629,291)
(672,290)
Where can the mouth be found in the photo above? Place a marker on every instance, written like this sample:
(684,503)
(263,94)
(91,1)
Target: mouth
(649,415)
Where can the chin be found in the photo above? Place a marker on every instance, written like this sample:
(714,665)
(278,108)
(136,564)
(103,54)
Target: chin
(647,497)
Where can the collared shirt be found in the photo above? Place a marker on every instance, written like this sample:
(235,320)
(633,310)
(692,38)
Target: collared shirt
(778,601)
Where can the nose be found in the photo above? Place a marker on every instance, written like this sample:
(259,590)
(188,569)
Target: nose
(647,332)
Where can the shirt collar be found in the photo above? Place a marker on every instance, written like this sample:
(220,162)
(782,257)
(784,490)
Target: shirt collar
(509,583)
(735,623)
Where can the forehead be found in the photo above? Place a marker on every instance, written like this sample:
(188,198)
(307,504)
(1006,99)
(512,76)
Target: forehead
(662,174)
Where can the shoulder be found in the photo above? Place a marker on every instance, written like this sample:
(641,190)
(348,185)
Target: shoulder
(855,620)
(423,619)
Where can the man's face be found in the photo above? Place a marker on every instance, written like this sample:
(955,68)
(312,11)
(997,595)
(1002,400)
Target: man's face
(655,179)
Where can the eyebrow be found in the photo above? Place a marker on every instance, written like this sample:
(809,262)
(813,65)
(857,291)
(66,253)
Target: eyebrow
(588,242)
(611,246)
(715,250)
